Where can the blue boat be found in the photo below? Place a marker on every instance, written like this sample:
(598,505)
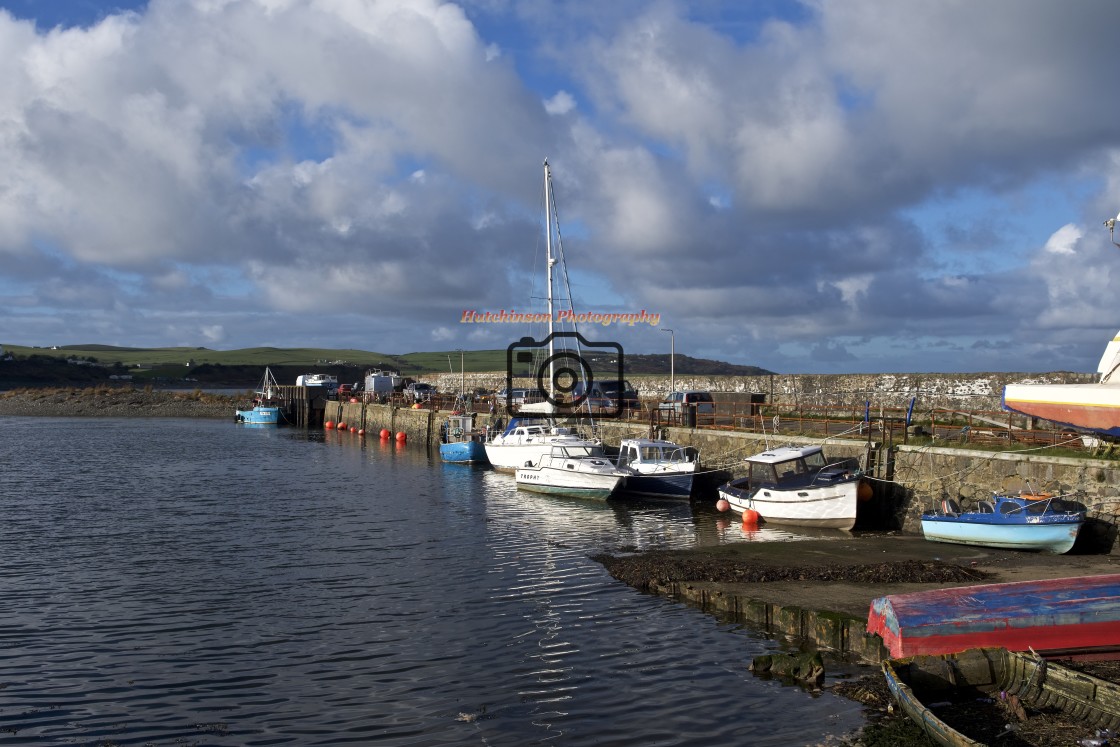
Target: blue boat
(657,468)
(459,444)
(268,408)
(1024,522)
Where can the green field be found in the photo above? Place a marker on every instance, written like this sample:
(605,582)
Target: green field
(410,364)
(171,363)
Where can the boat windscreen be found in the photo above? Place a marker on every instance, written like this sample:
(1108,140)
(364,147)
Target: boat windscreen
(814,461)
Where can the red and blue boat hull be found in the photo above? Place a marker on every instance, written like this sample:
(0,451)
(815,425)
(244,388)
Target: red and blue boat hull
(1063,615)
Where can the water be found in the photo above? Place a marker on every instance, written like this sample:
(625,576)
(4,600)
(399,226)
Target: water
(181,582)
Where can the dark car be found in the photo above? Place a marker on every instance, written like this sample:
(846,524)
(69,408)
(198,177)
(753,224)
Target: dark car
(622,392)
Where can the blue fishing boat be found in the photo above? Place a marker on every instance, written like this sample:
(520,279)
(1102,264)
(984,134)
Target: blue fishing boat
(268,407)
(657,468)
(1023,522)
(459,443)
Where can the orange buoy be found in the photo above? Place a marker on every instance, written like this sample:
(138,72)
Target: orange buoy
(417,406)
(361,431)
(385,434)
(750,518)
(864,491)
(353,429)
(401,436)
(328,425)
(722,505)
(341,426)
(353,400)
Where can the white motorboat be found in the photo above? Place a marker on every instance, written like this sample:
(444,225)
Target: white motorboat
(798,485)
(657,468)
(527,440)
(574,470)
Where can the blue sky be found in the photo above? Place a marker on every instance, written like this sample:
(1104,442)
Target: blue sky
(817,186)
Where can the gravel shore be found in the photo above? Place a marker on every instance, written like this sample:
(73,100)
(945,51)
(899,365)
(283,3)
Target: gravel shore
(117,403)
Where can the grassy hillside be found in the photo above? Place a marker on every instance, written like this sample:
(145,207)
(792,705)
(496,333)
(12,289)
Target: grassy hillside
(238,367)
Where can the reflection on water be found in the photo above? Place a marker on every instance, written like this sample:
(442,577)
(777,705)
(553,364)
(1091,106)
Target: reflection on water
(181,582)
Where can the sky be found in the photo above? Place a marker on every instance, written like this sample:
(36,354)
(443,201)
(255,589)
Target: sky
(827,186)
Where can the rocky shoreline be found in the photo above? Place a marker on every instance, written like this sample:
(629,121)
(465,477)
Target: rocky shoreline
(117,402)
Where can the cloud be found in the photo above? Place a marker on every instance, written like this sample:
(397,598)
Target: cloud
(1064,240)
(798,186)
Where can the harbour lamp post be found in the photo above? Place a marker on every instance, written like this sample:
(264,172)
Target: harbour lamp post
(1110,224)
(672,359)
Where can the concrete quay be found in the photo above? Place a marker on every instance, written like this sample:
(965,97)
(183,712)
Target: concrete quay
(833,616)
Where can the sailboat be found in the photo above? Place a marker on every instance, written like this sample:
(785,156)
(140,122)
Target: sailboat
(530,437)
(268,408)
(1088,407)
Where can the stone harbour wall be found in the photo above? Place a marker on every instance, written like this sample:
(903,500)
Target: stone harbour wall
(974,391)
(419,426)
(923,476)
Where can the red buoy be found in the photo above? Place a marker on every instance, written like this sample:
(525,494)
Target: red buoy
(361,431)
(750,518)
(385,434)
(328,425)
(341,425)
(353,429)
(401,436)
(722,505)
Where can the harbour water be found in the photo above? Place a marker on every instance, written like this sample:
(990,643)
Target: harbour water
(183,582)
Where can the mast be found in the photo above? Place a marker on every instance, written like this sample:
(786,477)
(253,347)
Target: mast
(550,262)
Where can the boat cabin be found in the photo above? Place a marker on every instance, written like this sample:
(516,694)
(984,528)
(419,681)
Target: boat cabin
(792,467)
(522,430)
(636,451)
(459,428)
(577,451)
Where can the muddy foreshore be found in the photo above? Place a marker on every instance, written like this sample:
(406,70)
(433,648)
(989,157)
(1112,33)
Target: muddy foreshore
(840,576)
(118,402)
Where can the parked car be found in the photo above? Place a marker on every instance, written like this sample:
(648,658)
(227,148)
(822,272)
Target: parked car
(516,396)
(345,391)
(419,391)
(594,401)
(621,392)
(684,404)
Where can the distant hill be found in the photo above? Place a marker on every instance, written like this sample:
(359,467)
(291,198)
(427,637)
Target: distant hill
(687,366)
(183,366)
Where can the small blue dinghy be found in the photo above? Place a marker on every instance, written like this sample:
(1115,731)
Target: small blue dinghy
(1023,522)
